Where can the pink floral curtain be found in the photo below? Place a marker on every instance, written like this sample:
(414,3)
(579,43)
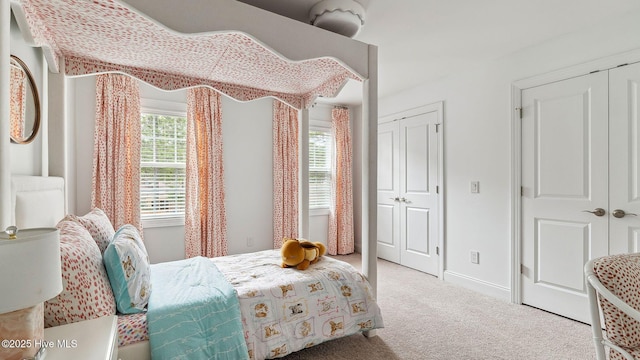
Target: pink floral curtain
(116,153)
(340,236)
(18,101)
(205,213)
(285,172)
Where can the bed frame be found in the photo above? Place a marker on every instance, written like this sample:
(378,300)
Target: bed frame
(39,202)
(290,39)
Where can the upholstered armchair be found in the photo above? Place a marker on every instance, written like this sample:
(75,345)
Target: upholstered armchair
(613,286)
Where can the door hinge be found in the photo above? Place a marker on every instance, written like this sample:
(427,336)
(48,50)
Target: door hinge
(437,189)
(519,110)
(437,127)
(521,269)
(437,250)
(521,190)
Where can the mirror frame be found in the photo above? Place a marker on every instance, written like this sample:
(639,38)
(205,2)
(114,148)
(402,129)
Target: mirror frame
(36,103)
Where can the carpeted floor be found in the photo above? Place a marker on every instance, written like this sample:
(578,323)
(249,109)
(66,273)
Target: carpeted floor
(426,318)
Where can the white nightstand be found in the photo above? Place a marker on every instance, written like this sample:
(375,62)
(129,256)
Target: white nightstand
(95,339)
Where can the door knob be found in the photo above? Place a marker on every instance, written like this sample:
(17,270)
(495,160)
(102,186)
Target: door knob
(395,198)
(620,213)
(598,212)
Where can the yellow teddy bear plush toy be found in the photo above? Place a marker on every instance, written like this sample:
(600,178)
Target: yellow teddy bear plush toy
(301,253)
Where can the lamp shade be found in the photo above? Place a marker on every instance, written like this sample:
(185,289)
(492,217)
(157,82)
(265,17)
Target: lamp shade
(30,270)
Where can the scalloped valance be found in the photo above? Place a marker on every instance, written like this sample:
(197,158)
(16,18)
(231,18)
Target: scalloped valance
(89,37)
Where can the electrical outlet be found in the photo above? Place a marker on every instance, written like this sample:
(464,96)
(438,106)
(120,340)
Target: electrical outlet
(475,257)
(249,241)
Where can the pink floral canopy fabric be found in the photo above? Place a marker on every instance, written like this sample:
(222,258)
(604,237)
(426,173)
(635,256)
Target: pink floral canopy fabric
(205,211)
(116,152)
(285,173)
(18,101)
(108,36)
(340,238)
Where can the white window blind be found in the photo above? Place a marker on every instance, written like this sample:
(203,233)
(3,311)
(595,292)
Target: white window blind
(162,166)
(320,156)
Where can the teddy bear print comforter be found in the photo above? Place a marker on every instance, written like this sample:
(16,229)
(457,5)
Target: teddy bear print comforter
(286,310)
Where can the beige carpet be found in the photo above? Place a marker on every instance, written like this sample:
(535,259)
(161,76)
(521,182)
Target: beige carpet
(426,318)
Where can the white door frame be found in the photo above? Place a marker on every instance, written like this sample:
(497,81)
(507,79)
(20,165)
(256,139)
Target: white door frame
(439,107)
(516,145)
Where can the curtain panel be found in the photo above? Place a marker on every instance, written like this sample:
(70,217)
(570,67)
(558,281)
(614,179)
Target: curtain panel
(285,172)
(340,238)
(18,101)
(116,154)
(205,212)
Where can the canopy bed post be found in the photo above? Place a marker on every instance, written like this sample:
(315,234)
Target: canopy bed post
(370,170)
(303,152)
(5,159)
(59,133)
(370,175)
(44,117)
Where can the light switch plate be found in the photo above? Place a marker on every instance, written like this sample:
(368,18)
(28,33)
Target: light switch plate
(475,187)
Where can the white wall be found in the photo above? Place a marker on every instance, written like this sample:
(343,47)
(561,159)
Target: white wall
(248,172)
(26,159)
(477,145)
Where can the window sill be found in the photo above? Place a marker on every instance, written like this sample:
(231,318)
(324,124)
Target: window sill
(319,212)
(163,222)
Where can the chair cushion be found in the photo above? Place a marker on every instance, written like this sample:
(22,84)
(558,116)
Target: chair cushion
(86,292)
(614,355)
(129,271)
(621,275)
(98,225)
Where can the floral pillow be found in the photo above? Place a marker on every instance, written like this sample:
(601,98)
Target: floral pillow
(86,292)
(127,264)
(98,225)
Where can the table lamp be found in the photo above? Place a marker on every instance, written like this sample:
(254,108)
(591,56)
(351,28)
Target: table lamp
(30,273)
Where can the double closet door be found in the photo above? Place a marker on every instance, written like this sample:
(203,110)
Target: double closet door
(408,204)
(581,183)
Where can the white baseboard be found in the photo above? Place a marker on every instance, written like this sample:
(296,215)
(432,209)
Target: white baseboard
(480,286)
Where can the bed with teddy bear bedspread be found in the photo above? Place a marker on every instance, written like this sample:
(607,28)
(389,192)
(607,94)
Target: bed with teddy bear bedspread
(285,310)
(281,310)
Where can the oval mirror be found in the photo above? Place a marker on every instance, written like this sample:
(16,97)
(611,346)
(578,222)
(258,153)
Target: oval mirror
(24,103)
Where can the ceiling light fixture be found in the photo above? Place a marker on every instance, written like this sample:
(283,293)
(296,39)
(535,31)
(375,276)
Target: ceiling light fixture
(345,17)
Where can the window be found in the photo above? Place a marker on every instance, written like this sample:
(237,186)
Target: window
(162,166)
(320,157)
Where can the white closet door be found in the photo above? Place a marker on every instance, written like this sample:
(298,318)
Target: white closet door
(388,190)
(564,174)
(408,203)
(418,194)
(624,159)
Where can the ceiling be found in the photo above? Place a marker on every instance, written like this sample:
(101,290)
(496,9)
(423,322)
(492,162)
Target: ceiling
(423,40)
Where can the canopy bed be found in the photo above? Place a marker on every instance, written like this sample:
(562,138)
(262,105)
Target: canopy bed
(238,50)
(271,311)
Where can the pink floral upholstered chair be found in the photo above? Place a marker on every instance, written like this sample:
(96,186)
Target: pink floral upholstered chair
(613,286)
